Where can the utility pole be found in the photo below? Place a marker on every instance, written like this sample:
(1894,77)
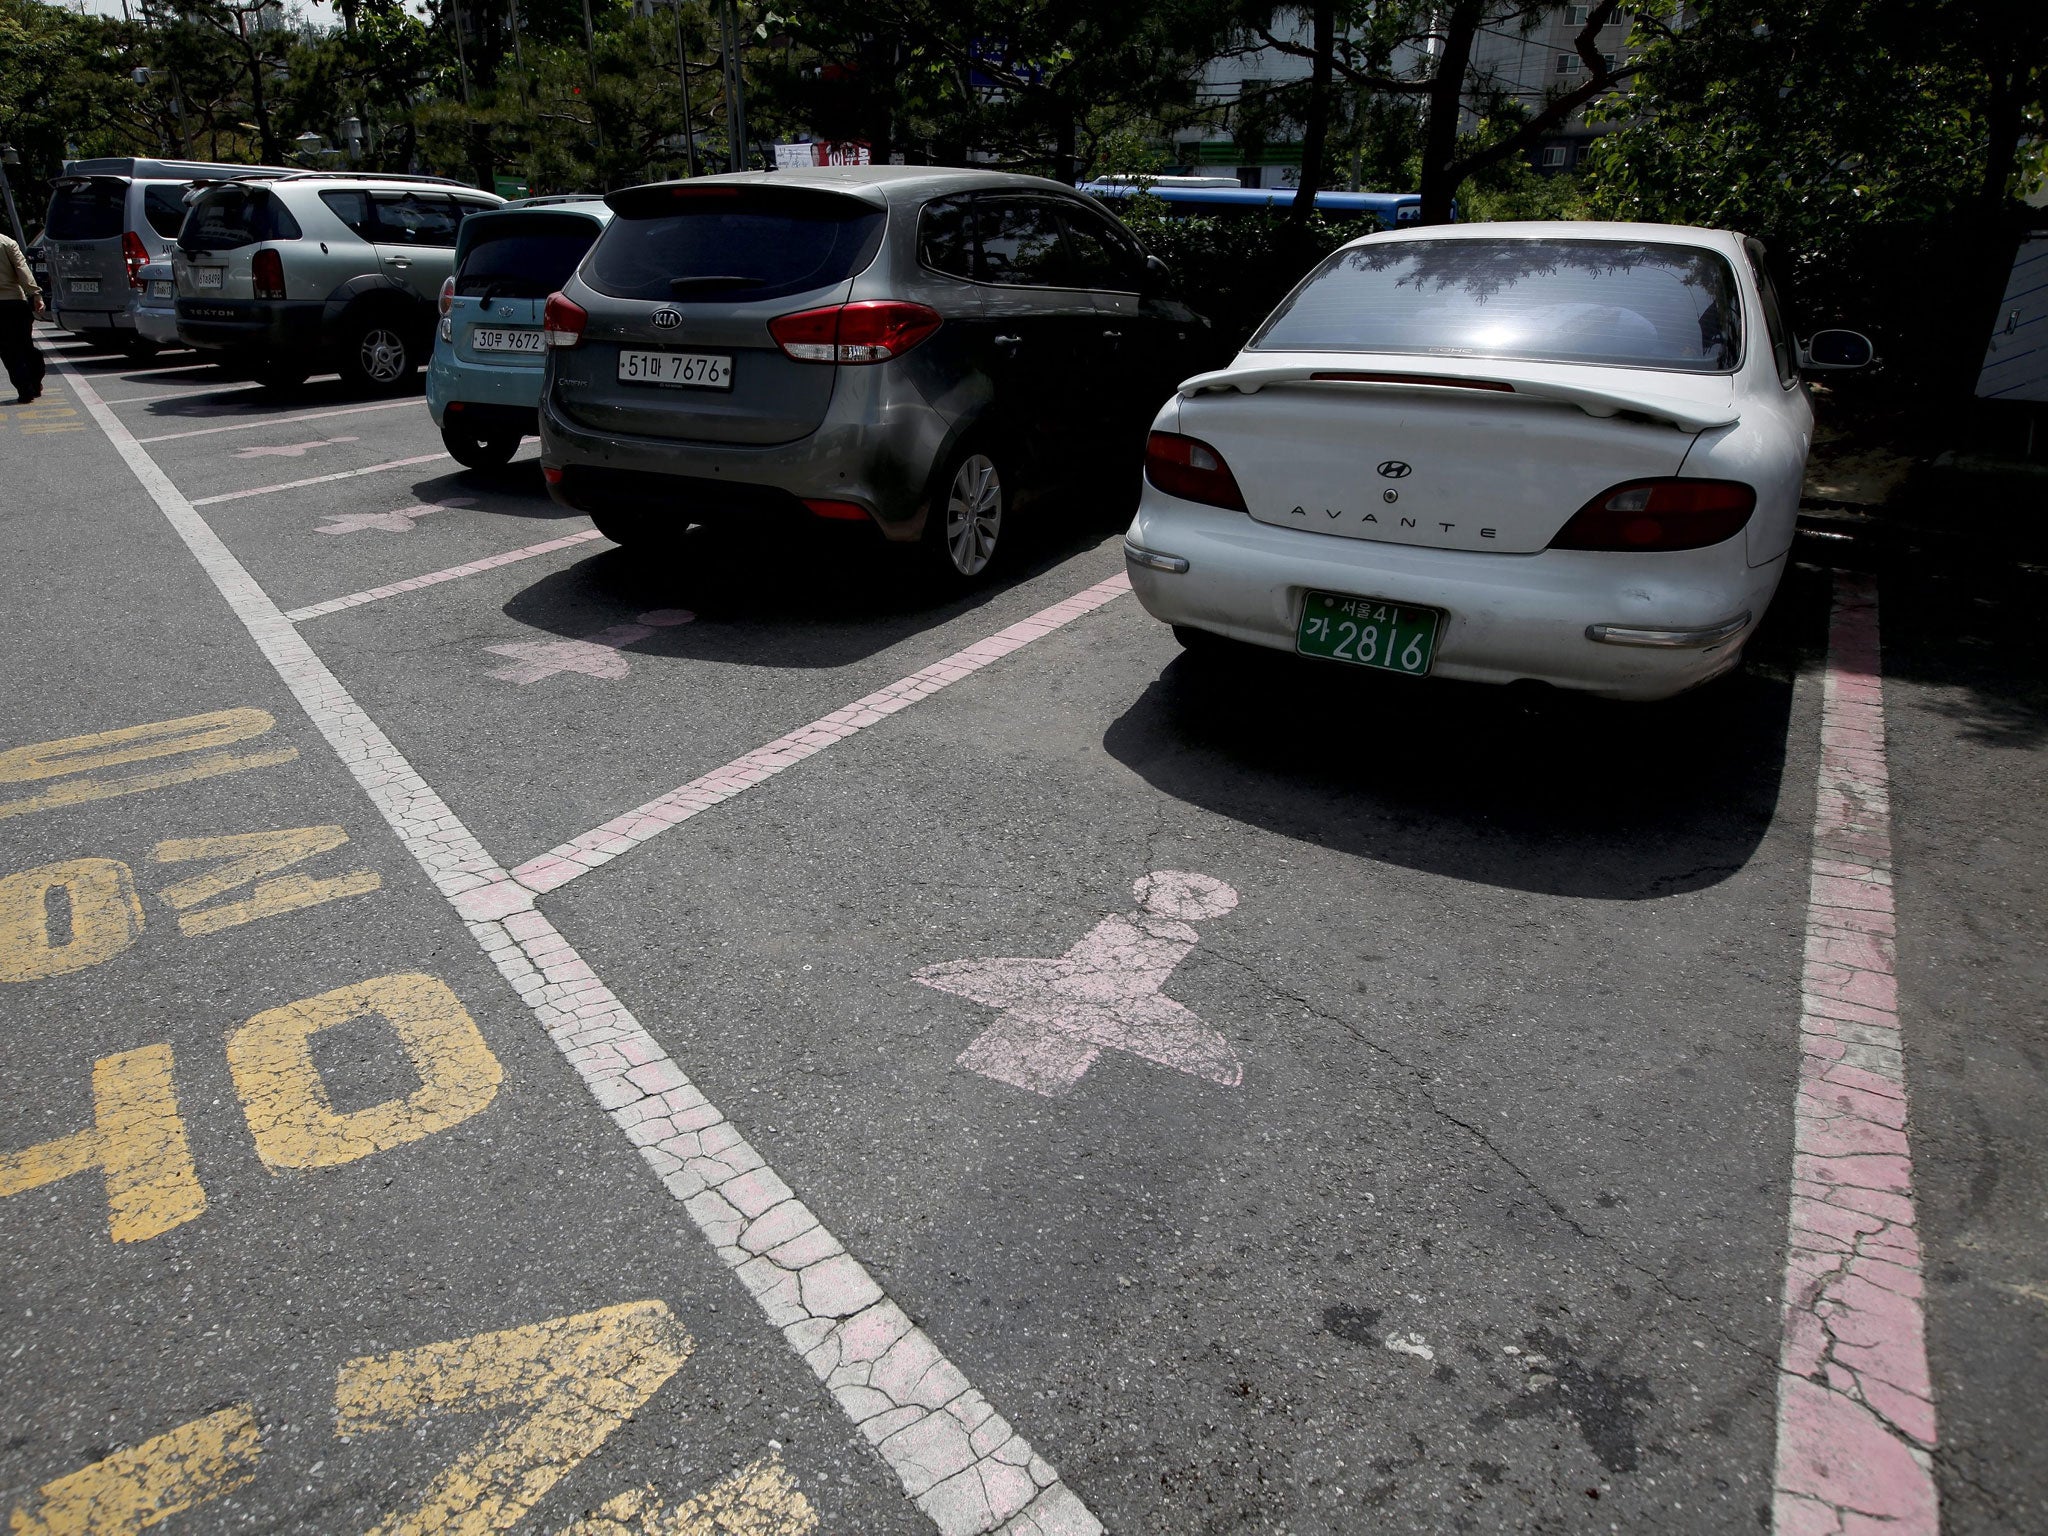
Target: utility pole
(461,54)
(689,117)
(735,93)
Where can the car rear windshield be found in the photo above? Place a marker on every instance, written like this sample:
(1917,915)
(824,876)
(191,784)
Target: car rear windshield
(720,244)
(1561,301)
(523,255)
(92,210)
(234,216)
(163,204)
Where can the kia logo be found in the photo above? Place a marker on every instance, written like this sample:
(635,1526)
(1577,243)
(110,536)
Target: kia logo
(1393,469)
(667,319)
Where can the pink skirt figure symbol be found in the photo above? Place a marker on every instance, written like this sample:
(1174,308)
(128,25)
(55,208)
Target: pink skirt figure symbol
(1058,1015)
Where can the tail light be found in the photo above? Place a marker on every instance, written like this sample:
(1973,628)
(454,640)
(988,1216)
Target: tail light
(872,331)
(1189,468)
(1659,515)
(562,321)
(266,271)
(136,255)
(447,294)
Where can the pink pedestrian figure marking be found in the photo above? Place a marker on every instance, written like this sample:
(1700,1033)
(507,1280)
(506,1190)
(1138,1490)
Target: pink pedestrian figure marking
(291,450)
(1103,994)
(597,656)
(397,520)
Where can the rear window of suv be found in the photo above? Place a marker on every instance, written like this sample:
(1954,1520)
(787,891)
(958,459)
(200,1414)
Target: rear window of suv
(1562,301)
(523,255)
(92,210)
(235,216)
(679,243)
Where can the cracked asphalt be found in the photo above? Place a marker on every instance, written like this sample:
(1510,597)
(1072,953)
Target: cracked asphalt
(1486,1233)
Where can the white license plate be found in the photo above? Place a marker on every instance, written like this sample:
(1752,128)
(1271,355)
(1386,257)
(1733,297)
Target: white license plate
(482,340)
(689,370)
(209,277)
(158,289)
(82,284)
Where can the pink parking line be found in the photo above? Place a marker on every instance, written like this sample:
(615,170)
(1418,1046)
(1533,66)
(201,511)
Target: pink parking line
(435,578)
(622,834)
(278,421)
(1855,1402)
(341,474)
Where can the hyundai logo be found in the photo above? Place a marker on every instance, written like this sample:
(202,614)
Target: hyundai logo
(667,319)
(1392,469)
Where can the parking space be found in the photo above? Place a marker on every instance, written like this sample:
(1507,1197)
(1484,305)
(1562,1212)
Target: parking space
(1250,1096)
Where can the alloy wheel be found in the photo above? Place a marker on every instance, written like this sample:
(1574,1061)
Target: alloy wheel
(974,514)
(382,356)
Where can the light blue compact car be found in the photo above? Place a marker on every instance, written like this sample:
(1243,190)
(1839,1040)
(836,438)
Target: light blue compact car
(484,381)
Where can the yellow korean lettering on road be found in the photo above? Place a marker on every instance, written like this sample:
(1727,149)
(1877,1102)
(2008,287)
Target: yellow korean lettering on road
(96,917)
(249,856)
(760,1499)
(563,1386)
(75,763)
(136,1141)
(291,1118)
(143,1486)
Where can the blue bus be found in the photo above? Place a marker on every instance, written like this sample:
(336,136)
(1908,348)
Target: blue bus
(1390,208)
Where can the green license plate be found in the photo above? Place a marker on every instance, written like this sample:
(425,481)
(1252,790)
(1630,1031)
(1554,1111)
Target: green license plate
(1368,631)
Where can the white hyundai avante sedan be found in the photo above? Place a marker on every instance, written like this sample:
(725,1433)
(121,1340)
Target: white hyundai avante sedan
(1566,452)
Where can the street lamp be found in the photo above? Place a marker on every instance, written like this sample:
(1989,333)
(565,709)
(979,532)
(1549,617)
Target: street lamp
(352,138)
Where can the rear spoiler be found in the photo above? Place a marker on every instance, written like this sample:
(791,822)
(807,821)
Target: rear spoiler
(1687,415)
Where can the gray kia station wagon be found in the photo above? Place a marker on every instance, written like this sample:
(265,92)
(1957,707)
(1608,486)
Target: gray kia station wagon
(920,349)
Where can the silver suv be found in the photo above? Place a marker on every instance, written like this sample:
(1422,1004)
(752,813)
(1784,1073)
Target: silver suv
(917,349)
(291,272)
(107,220)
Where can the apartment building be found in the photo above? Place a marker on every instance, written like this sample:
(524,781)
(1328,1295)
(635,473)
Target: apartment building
(1531,63)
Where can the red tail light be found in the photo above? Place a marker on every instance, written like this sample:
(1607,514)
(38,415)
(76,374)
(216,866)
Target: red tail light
(136,254)
(447,294)
(872,331)
(1189,468)
(1659,515)
(266,271)
(562,321)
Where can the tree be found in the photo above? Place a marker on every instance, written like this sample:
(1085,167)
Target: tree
(1422,52)
(1880,150)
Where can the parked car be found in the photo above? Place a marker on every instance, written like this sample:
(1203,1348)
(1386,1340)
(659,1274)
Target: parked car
(1566,452)
(153,310)
(484,380)
(919,349)
(39,267)
(294,273)
(107,220)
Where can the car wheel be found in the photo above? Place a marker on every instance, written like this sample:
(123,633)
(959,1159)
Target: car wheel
(141,351)
(480,450)
(1203,642)
(965,528)
(378,355)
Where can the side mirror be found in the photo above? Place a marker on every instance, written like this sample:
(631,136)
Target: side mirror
(1158,277)
(1829,351)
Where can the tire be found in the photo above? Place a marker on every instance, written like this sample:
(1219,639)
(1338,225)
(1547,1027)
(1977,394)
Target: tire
(378,353)
(963,530)
(481,450)
(1202,642)
(279,376)
(141,351)
(643,535)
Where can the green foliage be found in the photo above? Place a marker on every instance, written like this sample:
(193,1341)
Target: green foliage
(1235,267)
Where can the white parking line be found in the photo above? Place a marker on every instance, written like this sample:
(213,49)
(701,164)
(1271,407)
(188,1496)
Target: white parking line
(183,394)
(435,578)
(962,1463)
(622,834)
(297,485)
(278,421)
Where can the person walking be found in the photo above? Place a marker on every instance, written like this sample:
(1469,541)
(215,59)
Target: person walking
(20,302)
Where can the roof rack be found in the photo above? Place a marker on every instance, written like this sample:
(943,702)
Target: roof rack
(438,181)
(551,199)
